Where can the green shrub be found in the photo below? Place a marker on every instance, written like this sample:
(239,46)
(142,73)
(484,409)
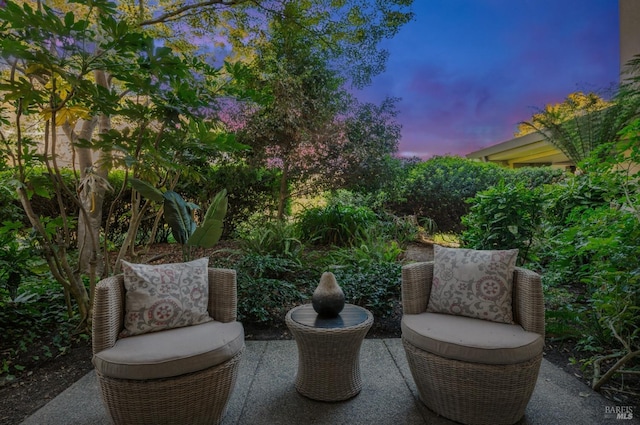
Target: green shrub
(438,189)
(43,199)
(375,286)
(18,256)
(617,305)
(10,209)
(533,177)
(505,216)
(581,191)
(268,287)
(400,229)
(389,195)
(346,197)
(600,252)
(38,312)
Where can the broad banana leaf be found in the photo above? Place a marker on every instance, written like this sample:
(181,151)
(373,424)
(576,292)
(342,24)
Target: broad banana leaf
(177,214)
(147,190)
(206,235)
(218,208)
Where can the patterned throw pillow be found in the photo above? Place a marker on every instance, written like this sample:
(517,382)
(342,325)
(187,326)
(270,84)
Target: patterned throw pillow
(165,296)
(473,283)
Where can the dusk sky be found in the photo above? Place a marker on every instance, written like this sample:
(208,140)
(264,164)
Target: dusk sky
(468,71)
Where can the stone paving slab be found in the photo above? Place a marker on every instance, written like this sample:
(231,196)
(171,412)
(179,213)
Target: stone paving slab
(265,395)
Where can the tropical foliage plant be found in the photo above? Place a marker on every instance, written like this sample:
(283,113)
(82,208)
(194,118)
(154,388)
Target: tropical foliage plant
(584,122)
(179,215)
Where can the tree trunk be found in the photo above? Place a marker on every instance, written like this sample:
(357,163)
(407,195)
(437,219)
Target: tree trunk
(284,190)
(57,261)
(92,191)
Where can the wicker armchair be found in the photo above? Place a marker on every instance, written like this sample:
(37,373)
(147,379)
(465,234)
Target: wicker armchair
(470,370)
(176,376)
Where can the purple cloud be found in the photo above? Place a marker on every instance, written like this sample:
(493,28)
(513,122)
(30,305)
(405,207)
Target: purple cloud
(468,72)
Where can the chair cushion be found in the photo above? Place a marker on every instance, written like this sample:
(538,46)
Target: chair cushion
(165,296)
(473,283)
(470,340)
(171,352)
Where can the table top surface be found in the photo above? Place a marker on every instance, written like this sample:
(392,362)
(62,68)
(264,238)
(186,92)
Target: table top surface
(351,315)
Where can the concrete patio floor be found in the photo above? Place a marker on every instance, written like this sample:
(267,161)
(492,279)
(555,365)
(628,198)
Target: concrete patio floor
(265,395)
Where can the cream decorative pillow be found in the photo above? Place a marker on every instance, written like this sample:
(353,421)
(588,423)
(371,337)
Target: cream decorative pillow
(165,296)
(473,283)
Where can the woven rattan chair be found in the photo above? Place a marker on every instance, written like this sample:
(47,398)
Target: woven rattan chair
(178,376)
(461,369)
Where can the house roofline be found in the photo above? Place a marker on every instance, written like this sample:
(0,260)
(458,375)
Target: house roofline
(514,143)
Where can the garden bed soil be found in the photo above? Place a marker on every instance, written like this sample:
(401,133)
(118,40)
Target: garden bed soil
(40,383)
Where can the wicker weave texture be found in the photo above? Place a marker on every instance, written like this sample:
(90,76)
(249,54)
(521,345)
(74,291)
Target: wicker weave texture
(328,359)
(528,300)
(108,312)
(416,287)
(197,398)
(223,295)
(474,393)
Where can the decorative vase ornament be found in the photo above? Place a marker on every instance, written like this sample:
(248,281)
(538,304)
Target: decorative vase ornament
(328,298)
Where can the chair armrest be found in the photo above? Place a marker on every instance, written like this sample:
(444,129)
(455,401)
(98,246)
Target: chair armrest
(108,312)
(416,286)
(528,300)
(223,295)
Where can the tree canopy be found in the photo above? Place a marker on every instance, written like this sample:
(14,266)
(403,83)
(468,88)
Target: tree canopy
(138,86)
(309,126)
(348,32)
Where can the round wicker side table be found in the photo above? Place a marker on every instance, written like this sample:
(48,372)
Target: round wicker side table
(329,351)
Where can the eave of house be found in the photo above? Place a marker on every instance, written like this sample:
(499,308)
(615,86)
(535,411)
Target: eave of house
(532,149)
(528,150)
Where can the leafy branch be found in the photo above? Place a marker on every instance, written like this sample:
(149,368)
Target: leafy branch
(181,11)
